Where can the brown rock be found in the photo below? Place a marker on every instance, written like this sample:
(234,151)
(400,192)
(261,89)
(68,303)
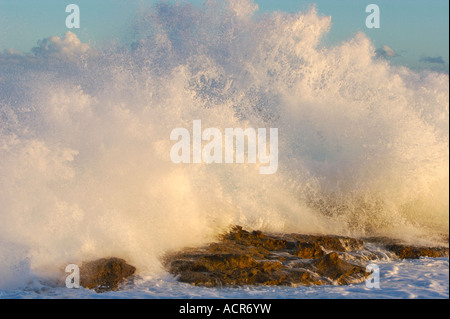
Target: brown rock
(407,252)
(309,251)
(229,247)
(254,258)
(225,261)
(331,266)
(104,274)
(303,277)
(199,279)
(256,239)
(269,266)
(334,243)
(248,258)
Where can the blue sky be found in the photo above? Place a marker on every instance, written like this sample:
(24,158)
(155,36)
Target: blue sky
(417,30)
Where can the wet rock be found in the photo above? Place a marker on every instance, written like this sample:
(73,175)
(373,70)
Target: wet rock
(242,257)
(223,262)
(254,258)
(333,243)
(227,269)
(408,252)
(105,274)
(199,279)
(229,247)
(255,239)
(309,251)
(333,267)
(304,277)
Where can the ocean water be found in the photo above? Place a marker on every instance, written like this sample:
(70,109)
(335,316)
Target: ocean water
(85,169)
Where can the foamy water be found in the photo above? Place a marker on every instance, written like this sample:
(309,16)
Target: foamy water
(425,278)
(85,149)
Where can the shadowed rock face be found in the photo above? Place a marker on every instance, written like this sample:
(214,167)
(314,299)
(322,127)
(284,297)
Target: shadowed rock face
(104,274)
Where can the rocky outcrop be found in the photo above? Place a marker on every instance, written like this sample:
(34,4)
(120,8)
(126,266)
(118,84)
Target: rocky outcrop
(253,258)
(409,252)
(105,274)
(405,251)
(241,257)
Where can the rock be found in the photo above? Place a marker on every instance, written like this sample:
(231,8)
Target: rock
(254,258)
(230,247)
(223,262)
(304,277)
(309,251)
(408,252)
(334,243)
(228,269)
(331,266)
(256,239)
(105,274)
(242,257)
(199,279)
